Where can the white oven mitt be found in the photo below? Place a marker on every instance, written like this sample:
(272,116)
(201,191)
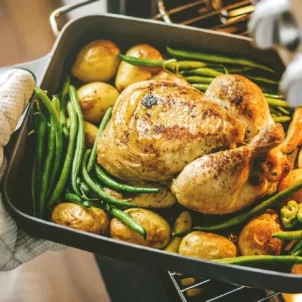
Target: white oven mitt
(16,246)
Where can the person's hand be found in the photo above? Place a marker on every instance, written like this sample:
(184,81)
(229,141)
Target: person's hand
(16,246)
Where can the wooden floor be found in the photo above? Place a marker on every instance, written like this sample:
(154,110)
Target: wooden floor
(71,275)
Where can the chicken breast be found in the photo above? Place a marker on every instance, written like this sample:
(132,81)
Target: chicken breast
(158,127)
(243,99)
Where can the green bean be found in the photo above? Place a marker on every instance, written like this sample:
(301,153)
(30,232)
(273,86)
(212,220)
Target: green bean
(284,111)
(296,248)
(103,125)
(127,220)
(201,87)
(272,201)
(289,235)
(80,145)
(56,104)
(33,187)
(199,80)
(66,170)
(281,119)
(78,200)
(58,133)
(41,129)
(277,103)
(239,69)
(215,58)
(47,167)
(109,182)
(64,99)
(262,80)
(84,188)
(274,111)
(273,96)
(242,260)
(171,64)
(101,193)
(203,71)
(166,64)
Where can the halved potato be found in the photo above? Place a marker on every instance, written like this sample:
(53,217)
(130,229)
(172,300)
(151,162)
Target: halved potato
(157,228)
(128,74)
(95,98)
(97,61)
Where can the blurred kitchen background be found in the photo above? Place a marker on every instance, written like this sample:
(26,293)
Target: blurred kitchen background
(25,32)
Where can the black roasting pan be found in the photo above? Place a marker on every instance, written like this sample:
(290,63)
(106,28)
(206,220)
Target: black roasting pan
(50,71)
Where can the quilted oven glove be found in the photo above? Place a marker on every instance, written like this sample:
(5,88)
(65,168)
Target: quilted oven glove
(16,246)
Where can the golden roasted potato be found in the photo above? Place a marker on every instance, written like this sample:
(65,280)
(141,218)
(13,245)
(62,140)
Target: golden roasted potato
(91,132)
(128,74)
(293,177)
(182,223)
(97,61)
(296,269)
(163,199)
(207,246)
(256,237)
(157,228)
(95,98)
(92,220)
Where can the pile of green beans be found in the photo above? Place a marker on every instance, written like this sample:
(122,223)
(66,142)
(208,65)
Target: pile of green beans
(54,169)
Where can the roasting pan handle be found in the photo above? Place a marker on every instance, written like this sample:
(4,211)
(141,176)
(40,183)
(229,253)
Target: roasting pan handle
(62,11)
(36,67)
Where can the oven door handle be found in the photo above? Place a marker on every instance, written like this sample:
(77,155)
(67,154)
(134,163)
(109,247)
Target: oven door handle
(63,11)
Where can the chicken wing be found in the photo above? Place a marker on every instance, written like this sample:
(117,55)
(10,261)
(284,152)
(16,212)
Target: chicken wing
(243,99)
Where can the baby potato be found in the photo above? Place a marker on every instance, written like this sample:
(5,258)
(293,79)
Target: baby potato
(182,223)
(163,199)
(128,74)
(296,269)
(92,220)
(157,228)
(95,99)
(97,61)
(91,132)
(207,246)
(256,237)
(293,177)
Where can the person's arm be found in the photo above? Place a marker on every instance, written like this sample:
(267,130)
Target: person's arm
(16,246)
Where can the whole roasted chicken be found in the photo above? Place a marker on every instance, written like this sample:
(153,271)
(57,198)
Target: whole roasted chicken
(206,143)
